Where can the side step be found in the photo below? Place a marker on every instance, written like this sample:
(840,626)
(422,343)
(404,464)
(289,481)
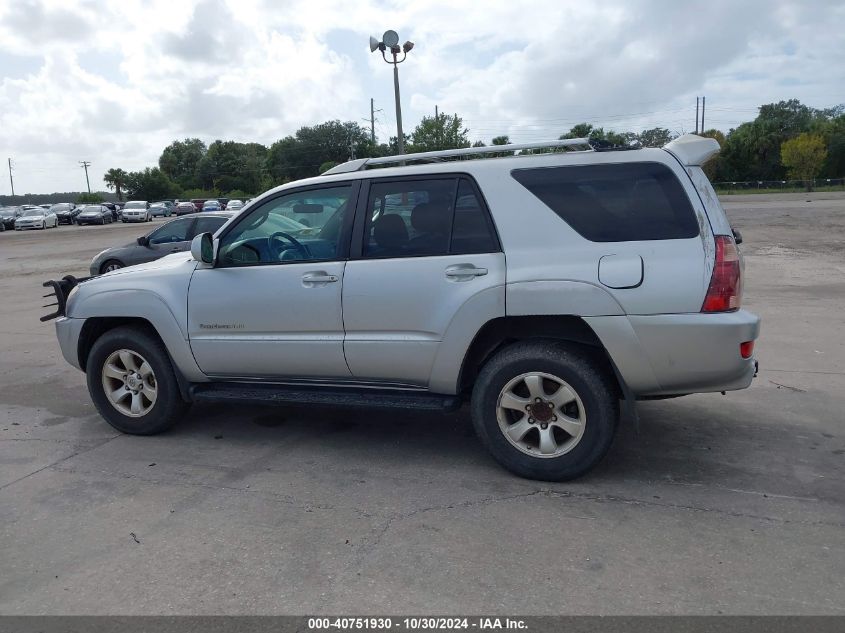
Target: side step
(256,393)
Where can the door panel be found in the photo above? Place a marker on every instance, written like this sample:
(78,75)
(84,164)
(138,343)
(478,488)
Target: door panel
(268,321)
(271,307)
(397,311)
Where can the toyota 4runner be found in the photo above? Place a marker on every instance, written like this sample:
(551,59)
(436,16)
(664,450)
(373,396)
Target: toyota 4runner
(546,286)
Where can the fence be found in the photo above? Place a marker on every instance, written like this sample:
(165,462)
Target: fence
(782,186)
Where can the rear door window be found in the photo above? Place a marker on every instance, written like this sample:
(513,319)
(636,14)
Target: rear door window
(615,202)
(176,231)
(209,225)
(427,217)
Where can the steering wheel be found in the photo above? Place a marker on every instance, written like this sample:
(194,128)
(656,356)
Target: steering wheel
(306,254)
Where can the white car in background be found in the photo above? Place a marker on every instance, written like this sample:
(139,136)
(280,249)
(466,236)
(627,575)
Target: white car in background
(36,218)
(234,205)
(136,211)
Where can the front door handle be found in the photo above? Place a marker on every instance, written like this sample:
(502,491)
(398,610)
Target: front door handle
(464,272)
(320,277)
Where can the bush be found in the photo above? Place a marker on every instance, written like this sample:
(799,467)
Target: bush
(89,198)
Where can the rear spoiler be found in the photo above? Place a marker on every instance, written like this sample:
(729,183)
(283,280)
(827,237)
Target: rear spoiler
(61,291)
(693,150)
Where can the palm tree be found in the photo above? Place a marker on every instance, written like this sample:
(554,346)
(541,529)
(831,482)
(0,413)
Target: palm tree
(115,178)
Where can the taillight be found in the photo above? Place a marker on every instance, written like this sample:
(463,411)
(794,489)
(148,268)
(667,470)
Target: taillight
(725,284)
(746,350)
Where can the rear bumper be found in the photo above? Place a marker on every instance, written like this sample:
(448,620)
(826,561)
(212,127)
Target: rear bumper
(680,353)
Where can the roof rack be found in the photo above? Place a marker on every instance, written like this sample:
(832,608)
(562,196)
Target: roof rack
(363,163)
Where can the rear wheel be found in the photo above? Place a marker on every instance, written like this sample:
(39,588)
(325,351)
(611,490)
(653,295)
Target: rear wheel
(43,224)
(545,411)
(132,382)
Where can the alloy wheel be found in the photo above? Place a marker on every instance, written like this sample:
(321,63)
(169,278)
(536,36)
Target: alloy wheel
(129,383)
(541,415)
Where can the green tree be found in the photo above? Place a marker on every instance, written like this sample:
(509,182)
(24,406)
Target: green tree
(180,159)
(150,184)
(89,198)
(586,130)
(229,165)
(444,131)
(581,130)
(301,155)
(327,166)
(501,140)
(752,150)
(713,168)
(115,179)
(803,157)
(655,137)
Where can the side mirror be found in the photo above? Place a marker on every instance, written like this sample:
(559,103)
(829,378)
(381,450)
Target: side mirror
(143,241)
(737,236)
(202,248)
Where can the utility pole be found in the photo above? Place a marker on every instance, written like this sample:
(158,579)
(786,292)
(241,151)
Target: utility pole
(437,125)
(372,121)
(86,164)
(696,115)
(702,114)
(11,180)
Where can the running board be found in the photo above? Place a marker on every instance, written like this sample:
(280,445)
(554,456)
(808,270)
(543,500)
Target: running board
(257,393)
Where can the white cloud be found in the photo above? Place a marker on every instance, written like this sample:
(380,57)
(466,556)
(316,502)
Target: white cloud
(118,80)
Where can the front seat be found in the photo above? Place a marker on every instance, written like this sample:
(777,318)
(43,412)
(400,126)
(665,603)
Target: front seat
(390,235)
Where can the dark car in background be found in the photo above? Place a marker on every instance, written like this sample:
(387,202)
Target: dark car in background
(8,215)
(94,214)
(66,212)
(115,210)
(172,237)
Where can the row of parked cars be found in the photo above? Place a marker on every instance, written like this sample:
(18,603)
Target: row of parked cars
(47,216)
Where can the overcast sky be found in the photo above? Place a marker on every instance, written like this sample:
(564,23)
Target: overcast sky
(113,82)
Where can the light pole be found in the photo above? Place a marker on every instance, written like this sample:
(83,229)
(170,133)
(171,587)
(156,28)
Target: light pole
(390,41)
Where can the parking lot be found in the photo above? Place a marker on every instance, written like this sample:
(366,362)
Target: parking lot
(716,504)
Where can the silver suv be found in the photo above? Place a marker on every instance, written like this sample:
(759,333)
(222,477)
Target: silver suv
(545,287)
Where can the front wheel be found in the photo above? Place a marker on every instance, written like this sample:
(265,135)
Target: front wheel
(545,411)
(111,265)
(43,225)
(132,382)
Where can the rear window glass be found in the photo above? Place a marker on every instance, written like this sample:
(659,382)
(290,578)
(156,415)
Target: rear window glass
(615,203)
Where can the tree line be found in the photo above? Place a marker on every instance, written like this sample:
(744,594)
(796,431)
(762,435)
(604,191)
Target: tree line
(786,140)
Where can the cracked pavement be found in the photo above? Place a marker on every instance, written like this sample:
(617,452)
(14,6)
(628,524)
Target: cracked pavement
(718,504)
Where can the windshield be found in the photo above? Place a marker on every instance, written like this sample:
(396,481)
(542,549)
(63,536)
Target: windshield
(63,206)
(91,210)
(7,211)
(135,205)
(34,213)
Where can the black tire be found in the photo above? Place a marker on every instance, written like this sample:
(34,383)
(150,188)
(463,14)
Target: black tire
(169,406)
(107,263)
(593,384)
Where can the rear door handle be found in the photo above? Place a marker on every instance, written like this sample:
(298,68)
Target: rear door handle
(464,272)
(318,278)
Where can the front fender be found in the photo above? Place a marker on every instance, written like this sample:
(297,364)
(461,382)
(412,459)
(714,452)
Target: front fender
(149,306)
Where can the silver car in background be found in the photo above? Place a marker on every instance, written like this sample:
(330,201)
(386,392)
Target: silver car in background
(136,211)
(36,218)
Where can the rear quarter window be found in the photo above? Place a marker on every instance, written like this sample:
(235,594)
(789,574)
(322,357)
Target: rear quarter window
(621,202)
